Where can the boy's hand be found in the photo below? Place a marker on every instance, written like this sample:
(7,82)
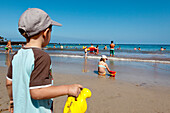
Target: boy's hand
(74,90)
(11,106)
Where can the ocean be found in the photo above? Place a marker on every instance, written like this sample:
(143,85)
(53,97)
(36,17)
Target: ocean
(148,52)
(148,66)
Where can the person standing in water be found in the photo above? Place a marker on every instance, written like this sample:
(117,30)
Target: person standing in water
(8,47)
(85,52)
(112,46)
(96,50)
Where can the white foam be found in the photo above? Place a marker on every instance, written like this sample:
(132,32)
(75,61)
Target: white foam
(63,55)
(2,51)
(112,58)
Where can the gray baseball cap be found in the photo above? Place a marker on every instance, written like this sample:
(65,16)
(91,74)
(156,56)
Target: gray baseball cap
(35,20)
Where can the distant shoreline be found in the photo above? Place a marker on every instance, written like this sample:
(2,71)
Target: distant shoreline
(23,42)
(13,43)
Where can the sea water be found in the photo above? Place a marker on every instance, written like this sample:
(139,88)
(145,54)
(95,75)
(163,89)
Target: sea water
(127,50)
(131,67)
(148,51)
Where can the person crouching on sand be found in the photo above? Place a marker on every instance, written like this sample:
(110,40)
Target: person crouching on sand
(102,66)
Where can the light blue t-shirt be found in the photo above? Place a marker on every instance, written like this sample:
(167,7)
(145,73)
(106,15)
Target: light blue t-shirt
(30,68)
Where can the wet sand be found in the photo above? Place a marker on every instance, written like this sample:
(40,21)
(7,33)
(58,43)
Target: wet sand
(108,95)
(133,72)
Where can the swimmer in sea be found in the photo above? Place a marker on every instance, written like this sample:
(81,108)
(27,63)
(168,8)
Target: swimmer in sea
(54,46)
(139,48)
(102,66)
(162,49)
(61,46)
(119,48)
(105,47)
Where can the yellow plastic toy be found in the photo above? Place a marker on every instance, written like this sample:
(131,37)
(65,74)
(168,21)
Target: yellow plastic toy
(79,104)
(87,48)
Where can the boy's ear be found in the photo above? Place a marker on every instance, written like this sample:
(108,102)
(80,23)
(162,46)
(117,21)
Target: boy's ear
(46,33)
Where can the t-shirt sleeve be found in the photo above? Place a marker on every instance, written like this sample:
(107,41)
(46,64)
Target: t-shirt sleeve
(41,75)
(9,73)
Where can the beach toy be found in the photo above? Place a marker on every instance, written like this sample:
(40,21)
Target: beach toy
(91,49)
(79,104)
(87,48)
(112,73)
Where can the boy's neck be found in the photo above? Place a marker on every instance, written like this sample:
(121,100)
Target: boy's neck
(34,43)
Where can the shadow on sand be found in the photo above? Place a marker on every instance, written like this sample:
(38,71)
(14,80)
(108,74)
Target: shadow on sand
(96,72)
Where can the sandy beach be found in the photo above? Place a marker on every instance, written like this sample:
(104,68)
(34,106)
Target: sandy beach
(119,50)
(114,96)
(108,95)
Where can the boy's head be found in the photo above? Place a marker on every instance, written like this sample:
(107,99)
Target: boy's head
(33,21)
(111,41)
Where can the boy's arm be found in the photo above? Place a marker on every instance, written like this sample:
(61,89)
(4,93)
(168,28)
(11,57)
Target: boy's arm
(55,91)
(9,89)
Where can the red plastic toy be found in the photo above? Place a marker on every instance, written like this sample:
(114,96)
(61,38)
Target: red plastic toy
(112,73)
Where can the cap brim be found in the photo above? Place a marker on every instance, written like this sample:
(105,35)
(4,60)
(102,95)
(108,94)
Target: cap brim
(55,23)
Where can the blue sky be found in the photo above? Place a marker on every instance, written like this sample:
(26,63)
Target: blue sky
(95,21)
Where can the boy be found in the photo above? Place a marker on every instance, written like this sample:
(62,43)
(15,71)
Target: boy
(29,79)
